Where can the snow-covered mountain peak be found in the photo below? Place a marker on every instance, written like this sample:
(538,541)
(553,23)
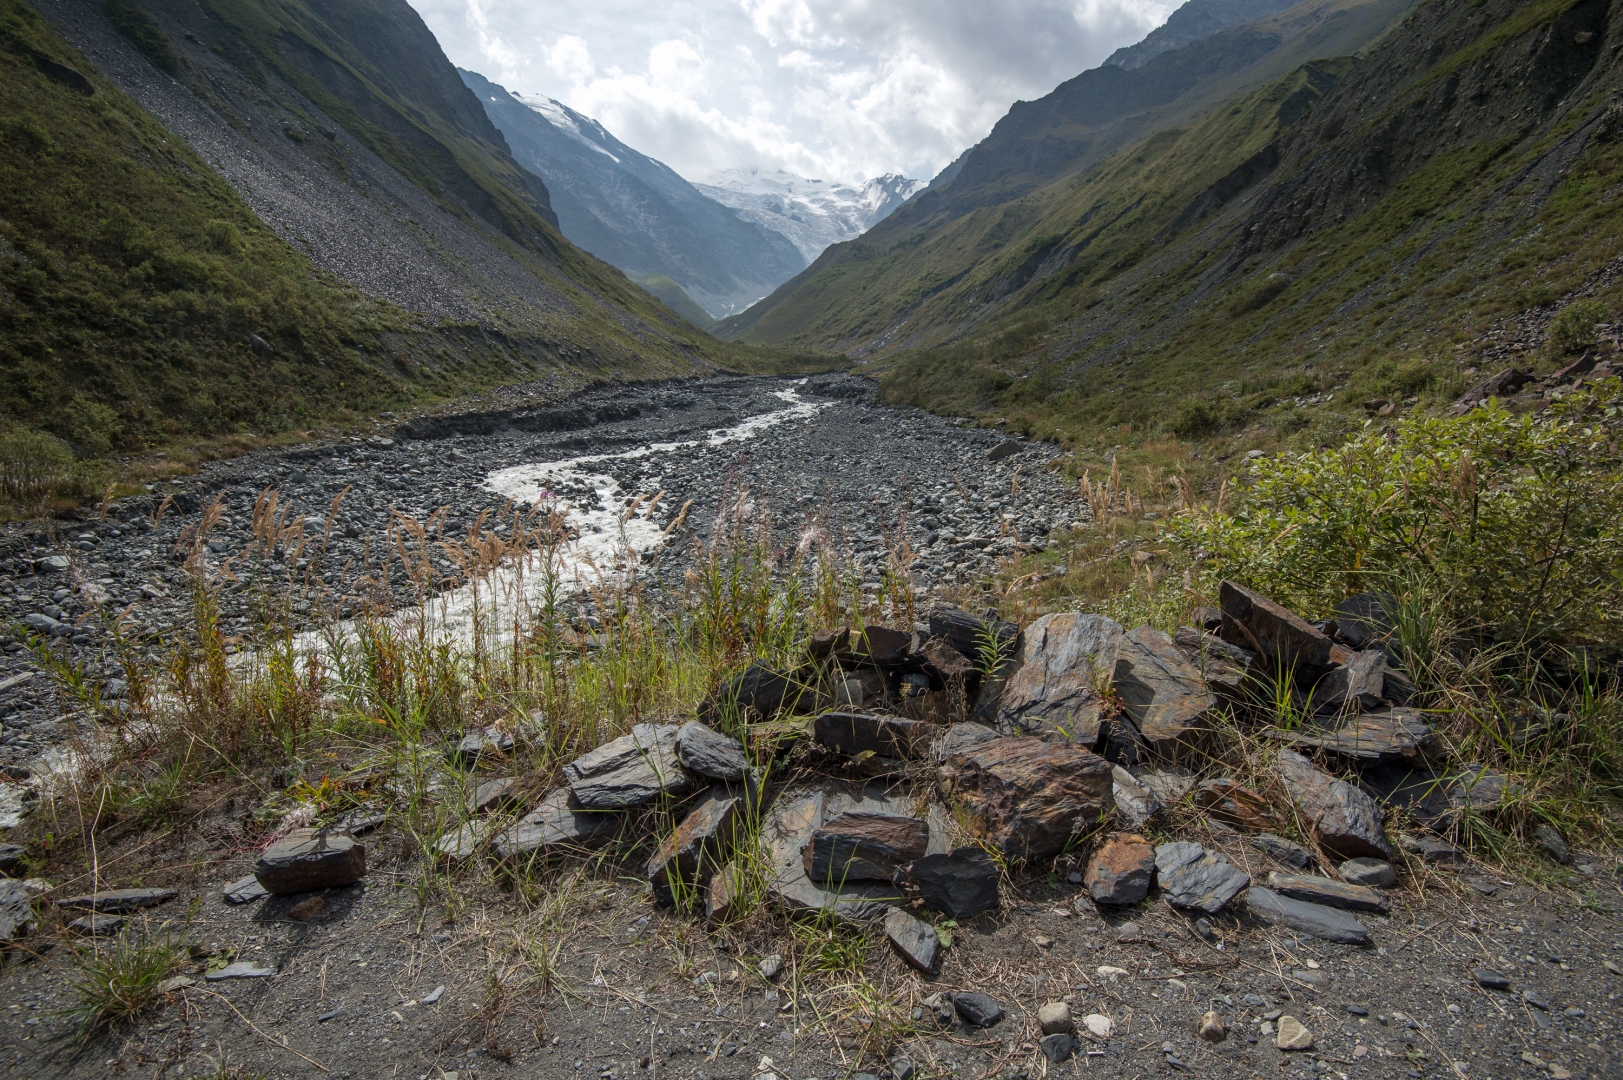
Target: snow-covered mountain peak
(811,213)
(583,129)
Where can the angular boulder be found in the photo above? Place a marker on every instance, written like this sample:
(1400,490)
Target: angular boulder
(1282,850)
(1392,737)
(788,828)
(307,860)
(559,823)
(1344,820)
(854,733)
(1437,799)
(756,693)
(1121,871)
(1328,891)
(1254,622)
(480,747)
(945,661)
(16,909)
(1065,663)
(465,842)
(117,901)
(973,635)
(698,846)
(629,771)
(1233,803)
(1195,879)
(960,884)
(858,846)
(1161,691)
(489,795)
(1317,920)
(1226,669)
(1358,683)
(915,939)
(1030,797)
(710,753)
(878,645)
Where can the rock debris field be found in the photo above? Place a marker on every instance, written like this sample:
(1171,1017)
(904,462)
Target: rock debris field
(981,849)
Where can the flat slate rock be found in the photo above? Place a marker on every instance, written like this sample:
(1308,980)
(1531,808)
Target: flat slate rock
(960,738)
(1373,872)
(1029,797)
(1358,682)
(117,901)
(1328,891)
(488,795)
(245,890)
(97,925)
(859,845)
(915,939)
(1394,737)
(854,733)
(16,909)
(1161,691)
(1363,619)
(482,745)
(969,634)
(1282,850)
(1064,663)
(12,859)
(242,969)
(1195,879)
(710,753)
(756,693)
(465,842)
(1317,920)
(308,860)
(788,828)
(1254,622)
(699,845)
(560,823)
(1121,871)
(960,884)
(1433,850)
(1436,799)
(1344,819)
(632,770)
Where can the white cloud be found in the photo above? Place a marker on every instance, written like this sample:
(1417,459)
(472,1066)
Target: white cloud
(836,89)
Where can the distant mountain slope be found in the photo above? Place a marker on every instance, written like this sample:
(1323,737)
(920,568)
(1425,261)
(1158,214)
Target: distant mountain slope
(811,213)
(1341,235)
(1194,21)
(635,212)
(345,131)
(1071,130)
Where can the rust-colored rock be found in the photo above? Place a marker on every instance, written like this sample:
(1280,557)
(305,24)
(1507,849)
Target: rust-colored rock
(947,661)
(1030,797)
(1122,871)
(864,846)
(1232,803)
(1254,622)
(698,846)
(825,643)
(1393,737)
(879,645)
(854,733)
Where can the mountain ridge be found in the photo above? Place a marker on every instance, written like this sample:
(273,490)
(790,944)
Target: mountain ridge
(634,211)
(813,214)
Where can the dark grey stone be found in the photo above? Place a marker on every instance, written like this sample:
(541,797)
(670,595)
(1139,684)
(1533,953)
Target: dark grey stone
(629,771)
(245,891)
(16,909)
(1196,879)
(1489,979)
(1533,998)
(307,860)
(1553,843)
(478,746)
(710,753)
(491,795)
(960,884)
(853,733)
(12,859)
(1432,849)
(1392,737)
(1344,819)
(1323,890)
(1374,872)
(758,692)
(915,939)
(978,1010)
(1282,850)
(559,823)
(857,846)
(1327,923)
(117,901)
(97,925)
(1057,1048)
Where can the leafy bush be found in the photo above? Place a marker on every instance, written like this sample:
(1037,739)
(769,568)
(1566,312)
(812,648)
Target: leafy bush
(1574,328)
(32,463)
(1515,520)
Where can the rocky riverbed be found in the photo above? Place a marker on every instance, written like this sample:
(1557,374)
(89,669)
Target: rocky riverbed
(806,451)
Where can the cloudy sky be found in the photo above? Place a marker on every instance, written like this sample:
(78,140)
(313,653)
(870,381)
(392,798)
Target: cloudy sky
(833,89)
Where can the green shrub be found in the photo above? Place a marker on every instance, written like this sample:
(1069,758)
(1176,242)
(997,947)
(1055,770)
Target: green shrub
(1516,520)
(1574,328)
(32,463)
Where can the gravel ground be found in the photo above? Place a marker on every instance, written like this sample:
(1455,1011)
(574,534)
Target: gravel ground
(641,992)
(851,464)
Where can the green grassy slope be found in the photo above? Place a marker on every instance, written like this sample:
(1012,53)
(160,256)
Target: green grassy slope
(142,300)
(672,296)
(1341,231)
(131,275)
